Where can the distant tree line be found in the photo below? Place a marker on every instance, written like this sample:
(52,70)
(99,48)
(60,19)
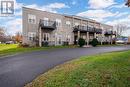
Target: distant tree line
(6,37)
(121,28)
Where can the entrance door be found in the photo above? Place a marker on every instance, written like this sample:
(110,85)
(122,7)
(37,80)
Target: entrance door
(59,39)
(46,39)
(75,40)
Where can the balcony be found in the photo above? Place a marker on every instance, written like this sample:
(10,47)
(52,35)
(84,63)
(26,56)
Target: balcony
(87,29)
(110,33)
(51,25)
(99,31)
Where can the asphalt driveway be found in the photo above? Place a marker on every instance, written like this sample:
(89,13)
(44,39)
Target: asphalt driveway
(16,71)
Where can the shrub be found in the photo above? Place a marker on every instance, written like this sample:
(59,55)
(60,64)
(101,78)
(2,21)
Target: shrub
(94,42)
(65,43)
(23,45)
(45,44)
(81,42)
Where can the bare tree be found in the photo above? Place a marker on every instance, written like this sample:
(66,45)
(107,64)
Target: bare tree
(18,37)
(121,28)
(2,34)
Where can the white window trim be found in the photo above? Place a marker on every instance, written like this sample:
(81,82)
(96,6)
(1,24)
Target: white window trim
(46,21)
(31,35)
(68,23)
(32,18)
(58,22)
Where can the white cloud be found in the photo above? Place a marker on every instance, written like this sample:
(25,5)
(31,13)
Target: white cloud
(98,15)
(17,6)
(74,2)
(98,4)
(118,6)
(14,25)
(57,6)
(18,13)
(51,7)
(35,6)
(122,14)
(125,20)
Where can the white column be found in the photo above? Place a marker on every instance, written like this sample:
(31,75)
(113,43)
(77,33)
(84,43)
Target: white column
(102,37)
(87,38)
(40,37)
(78,35)
(111,39)
(95,35)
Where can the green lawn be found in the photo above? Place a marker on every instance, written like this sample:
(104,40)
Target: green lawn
(9,49)
(102,70)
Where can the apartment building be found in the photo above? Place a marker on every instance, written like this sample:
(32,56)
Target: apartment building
(41,27)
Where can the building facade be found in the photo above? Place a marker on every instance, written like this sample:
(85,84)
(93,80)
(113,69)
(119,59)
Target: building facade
(40,27)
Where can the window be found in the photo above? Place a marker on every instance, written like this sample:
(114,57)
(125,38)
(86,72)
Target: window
(68,23)
(31,19)
(46,23)
(58,22)
(31,36)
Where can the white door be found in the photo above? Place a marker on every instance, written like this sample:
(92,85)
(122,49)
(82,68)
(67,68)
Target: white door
(59,39)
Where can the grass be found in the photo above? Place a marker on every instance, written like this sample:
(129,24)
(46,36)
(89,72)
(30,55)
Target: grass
(11,49)
(102,70)
(110,45)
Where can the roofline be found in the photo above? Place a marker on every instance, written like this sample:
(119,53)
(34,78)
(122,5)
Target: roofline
(72,16)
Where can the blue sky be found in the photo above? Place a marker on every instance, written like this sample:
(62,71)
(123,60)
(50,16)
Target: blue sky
(106,11)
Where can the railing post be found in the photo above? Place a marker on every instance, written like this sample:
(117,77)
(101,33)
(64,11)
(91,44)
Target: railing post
(87,38)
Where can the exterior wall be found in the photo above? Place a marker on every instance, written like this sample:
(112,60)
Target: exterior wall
(27,27)
(64,31)
(105,28)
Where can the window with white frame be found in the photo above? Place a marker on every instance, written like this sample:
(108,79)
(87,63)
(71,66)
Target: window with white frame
(68,23)
(31,19)
(46,23)
(58,22)
(31,36)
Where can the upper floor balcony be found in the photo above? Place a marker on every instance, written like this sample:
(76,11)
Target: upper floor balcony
(87,29)
(110,33)
(44,24)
